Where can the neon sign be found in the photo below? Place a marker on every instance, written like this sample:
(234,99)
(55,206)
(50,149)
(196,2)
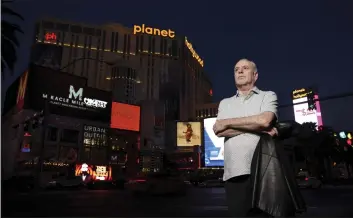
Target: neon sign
(50,36)
(193,52)
(92,172)
(299,93)
(153,31)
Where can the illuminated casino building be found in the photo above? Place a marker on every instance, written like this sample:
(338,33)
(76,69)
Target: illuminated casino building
(135,63)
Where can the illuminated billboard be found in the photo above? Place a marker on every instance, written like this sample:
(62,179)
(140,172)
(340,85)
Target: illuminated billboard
(153,31)
(125,117)
(188,134)
(94,136)
(66,94)
(193,52)
(302,113)
(214,146)
(93,173)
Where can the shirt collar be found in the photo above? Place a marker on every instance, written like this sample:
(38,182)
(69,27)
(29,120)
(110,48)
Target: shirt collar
(254,90)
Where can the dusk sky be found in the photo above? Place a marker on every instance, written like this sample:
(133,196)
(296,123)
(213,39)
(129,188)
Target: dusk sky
(294,43)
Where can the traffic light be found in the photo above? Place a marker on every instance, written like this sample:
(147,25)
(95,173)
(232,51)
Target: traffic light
(311,99)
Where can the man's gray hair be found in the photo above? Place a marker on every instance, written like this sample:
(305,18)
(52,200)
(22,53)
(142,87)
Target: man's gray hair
(251,62)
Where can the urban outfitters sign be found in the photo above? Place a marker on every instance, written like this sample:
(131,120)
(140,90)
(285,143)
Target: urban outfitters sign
(76,99)
(153,31)
(94,136)
(90,131)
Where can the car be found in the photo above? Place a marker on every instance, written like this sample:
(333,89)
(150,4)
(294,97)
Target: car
(306,181)
(61,181)
(158,184)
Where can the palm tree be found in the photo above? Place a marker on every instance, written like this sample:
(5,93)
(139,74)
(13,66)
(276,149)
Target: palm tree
(9,41)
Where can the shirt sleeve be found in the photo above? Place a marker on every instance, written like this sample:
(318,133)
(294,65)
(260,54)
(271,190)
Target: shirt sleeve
(221,109)
(270,103)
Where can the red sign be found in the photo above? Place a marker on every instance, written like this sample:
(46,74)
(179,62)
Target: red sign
(125,117)
(50,36)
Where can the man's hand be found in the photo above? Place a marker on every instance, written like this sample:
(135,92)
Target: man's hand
(219,126)
(273,132)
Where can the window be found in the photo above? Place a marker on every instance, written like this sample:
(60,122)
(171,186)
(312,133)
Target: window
(68,154)
(52,134)
(174,48)
(112,42)
(50,152)
(48,25)
(70,136)
(62,27)
(98,32)
(88,31)
(76,29)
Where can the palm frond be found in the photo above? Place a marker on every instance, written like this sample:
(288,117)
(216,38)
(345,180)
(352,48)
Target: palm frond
(7,26)
(9,41)
(8,11)
(8,54)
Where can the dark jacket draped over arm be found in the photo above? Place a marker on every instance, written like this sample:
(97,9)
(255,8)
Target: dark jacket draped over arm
(275,190)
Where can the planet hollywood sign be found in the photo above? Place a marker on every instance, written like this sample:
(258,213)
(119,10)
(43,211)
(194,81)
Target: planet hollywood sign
(75,99)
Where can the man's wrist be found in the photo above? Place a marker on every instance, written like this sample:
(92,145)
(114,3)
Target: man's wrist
(227,123)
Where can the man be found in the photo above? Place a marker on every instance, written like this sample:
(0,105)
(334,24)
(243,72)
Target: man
(240,120)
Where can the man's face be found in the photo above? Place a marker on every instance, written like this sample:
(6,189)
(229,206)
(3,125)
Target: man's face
(244,73)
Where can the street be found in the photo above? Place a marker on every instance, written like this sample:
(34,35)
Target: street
(200,202)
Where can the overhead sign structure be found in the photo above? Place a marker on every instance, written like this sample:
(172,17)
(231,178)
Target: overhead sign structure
(153,31)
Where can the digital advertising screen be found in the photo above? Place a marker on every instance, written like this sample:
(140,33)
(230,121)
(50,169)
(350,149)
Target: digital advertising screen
(66,94)
(188,134)
(214,146)
(125,117)
(302,113)
(90,172)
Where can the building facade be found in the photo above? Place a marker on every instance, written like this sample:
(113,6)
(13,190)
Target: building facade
(206,110)
(135,63)
(77,124)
